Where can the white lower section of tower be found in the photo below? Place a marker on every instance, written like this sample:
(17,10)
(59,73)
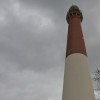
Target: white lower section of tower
(77,80)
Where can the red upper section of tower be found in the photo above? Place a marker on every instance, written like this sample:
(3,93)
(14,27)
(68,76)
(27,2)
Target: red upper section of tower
(75,40)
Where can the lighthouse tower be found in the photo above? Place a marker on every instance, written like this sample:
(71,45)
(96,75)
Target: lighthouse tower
(77,81)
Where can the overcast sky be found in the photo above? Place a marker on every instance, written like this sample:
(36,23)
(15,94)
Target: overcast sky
(33,36)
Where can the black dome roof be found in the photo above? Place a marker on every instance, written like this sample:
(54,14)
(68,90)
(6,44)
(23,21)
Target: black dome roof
(74,7)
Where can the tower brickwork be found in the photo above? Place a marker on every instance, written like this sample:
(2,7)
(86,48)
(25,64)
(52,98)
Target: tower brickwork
(77,80)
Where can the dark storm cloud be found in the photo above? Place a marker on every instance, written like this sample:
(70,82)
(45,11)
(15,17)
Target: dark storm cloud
(29,50)
(28,56)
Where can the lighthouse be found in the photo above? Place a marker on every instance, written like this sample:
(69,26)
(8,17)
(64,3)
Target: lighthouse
(77,80)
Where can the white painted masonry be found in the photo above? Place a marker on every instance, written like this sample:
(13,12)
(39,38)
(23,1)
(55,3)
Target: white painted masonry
(77,80)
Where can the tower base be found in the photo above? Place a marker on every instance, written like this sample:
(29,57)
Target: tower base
(77,80)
